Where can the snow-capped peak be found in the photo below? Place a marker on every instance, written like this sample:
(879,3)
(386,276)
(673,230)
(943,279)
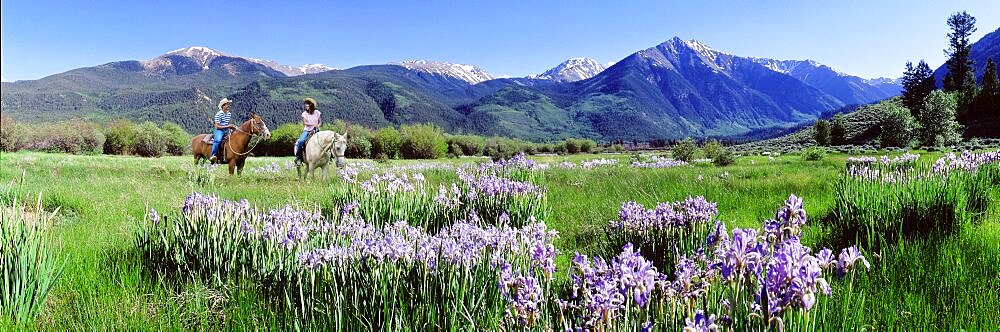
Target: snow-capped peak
(293,71)
(203,55)
(468,73)
(574,69)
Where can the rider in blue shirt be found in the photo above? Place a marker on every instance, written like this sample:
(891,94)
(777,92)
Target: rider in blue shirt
(222,123)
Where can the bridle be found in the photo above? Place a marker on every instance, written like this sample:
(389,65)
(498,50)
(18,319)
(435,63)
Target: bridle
(255,132)
(334,152)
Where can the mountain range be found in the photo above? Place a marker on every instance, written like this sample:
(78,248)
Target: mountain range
(676,89)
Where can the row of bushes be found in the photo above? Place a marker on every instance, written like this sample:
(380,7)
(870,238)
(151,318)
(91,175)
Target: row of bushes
(81,137)
(147,139)
(421,141)
(686,150)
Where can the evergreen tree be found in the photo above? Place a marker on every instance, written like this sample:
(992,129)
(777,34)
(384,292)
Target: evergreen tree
(988,100)
(838,130)
(918,82)
(961,75)
(938,126)
(821,131)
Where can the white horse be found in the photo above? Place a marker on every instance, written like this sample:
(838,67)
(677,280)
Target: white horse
(321,148)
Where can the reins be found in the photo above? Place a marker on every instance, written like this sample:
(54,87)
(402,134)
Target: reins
(229,142)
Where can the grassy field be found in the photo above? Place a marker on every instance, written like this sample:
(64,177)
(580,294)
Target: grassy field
(945,282)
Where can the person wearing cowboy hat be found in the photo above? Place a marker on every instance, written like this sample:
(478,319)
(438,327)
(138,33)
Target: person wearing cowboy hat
(222,124)
(311,121)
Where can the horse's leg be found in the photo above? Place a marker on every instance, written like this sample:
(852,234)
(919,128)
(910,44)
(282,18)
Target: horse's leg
(232,166)
(239,166)
(325,167)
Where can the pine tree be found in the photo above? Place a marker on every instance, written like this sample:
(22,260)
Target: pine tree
(821,131)
(962,76)
(918,82)
(838,130)
(990,91)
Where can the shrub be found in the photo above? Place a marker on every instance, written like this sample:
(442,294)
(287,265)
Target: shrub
(938,126)
(500,148)
(93,138)
(617,148)
(724,157)
(120,138)
(530,148)
(587,145)
(386,141)
(282,142)
(559,148)
(454,150)
(12,134)
(814,153)
(424,141)
(821,132)
(896,125)
(838,130)
(178,140)
(712,148)
(358,147)
(572,145)
(338,125)
(685,150)
(471,145)
(150,141)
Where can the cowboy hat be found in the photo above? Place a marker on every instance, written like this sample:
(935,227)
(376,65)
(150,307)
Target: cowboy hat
(311,101)
(223,102)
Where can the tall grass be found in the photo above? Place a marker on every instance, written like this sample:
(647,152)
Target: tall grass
(29,264)
(883,202)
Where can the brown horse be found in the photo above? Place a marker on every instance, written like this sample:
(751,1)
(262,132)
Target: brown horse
(235,147)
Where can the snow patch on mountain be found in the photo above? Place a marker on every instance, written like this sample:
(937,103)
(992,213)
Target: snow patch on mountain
(467,73)
(572,70)
(203,55)
(293,71)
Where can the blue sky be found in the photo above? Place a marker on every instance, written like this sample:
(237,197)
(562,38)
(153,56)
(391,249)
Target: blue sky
(864,38)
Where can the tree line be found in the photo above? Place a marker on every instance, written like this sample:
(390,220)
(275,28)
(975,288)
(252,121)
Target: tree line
(926,115)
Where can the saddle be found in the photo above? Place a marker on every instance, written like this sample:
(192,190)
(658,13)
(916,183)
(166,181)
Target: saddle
(220,154)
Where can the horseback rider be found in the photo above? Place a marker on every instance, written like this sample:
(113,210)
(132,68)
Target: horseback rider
(222,124)
(311,121)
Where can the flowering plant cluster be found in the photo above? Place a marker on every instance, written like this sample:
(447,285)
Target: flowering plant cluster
(661,232)
(905,159)
(395,273)
(491,196)
(658,162)
(273,168)
(746,279)
(594,163)
(886,200)
(967,161)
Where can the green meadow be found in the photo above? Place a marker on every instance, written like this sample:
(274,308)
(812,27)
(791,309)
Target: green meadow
(940,281)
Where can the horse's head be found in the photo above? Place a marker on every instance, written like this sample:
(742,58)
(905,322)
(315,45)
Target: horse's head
(259,127)
(339,146)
